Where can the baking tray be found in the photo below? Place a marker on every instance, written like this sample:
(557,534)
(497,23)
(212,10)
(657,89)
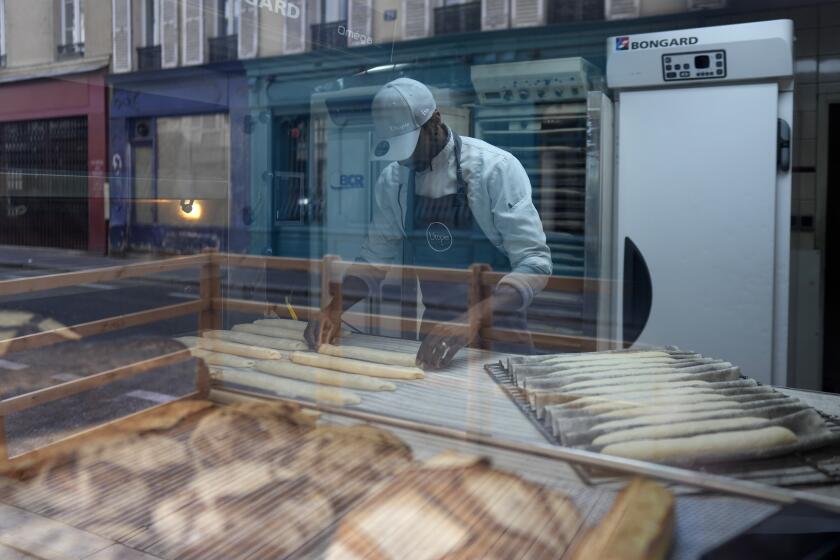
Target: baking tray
(800,467)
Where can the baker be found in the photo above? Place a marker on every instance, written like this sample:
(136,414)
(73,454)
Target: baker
(446,201)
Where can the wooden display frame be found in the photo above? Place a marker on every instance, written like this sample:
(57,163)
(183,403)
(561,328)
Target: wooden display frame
(211,306)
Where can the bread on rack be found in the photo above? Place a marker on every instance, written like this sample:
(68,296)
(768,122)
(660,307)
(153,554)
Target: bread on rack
(639,526)
(457,507)
(247,431)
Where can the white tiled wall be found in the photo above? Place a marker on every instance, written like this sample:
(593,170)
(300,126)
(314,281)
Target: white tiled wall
(817,73)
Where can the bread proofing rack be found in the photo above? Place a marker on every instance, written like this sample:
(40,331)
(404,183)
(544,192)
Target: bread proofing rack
(813,467)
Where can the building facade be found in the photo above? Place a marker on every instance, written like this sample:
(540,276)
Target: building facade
(263,69)
(54,58)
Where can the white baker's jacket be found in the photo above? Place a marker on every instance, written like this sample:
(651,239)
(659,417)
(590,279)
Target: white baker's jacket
(499,194)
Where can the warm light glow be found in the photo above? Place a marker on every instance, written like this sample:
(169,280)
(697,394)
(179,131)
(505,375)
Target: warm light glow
(194,214)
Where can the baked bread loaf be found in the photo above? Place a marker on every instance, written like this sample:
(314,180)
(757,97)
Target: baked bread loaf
(456,508)
(247,431)
(220,506)
(347,461)
(639,526)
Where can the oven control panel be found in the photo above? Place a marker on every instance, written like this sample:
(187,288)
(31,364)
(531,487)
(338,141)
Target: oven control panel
(700,65)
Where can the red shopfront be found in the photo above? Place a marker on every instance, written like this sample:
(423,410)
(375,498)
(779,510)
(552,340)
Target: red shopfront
(53,152)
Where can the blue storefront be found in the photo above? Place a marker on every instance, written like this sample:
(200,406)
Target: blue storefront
(179,160)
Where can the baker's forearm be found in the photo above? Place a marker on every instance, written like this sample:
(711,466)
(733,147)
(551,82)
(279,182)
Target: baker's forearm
(505,298)
(527,281)
(353,290)
(356,285)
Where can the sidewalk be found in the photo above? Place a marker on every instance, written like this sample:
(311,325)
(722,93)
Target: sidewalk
(55,261)
(47,260)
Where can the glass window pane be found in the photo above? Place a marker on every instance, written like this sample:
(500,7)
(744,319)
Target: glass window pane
(193,164)
(144,185)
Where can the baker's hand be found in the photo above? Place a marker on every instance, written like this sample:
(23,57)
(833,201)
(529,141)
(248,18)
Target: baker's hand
(320,331)
(442,343)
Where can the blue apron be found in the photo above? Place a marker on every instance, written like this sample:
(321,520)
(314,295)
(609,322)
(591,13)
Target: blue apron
(442,232)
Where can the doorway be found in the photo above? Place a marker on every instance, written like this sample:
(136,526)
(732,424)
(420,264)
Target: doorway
(831,256)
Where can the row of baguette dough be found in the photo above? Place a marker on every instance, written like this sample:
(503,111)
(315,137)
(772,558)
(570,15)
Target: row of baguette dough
(671,427)
(270,354)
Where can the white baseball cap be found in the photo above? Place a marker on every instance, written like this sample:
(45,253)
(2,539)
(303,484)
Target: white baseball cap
(399,109)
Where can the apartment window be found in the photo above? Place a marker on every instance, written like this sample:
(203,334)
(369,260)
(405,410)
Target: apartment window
(225,45)
(151,22)
(2,33)
(149,55)
(457,16)
(229,12)
(333,18)
(333,11)
(72,28)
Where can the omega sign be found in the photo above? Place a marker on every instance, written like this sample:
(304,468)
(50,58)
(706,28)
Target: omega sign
(627,44)
(281,7)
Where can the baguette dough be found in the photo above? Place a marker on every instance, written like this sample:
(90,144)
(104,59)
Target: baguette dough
(636,399)
(665,417)
(264,330)
(635,387)
(257,340)
(290,324)
(284,387)
(356,366)
(234,348)
(324,376)
(678,429)
(283,323)
(706,445)
(607,357)
(370,355)
(665,408)
(217,359)
(664,377)
(670,400)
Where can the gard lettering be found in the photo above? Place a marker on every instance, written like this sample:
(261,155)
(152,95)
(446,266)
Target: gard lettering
(294,11)
(279,6)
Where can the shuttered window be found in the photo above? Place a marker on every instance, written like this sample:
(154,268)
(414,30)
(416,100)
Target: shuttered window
(122,44)
(169,33)
(249,28)
(227,16)
(359,22)
(416,19)
(621,9)
(528,13)
(151,22)
(294,28)
(495,14)
(193,17)
(72,22)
